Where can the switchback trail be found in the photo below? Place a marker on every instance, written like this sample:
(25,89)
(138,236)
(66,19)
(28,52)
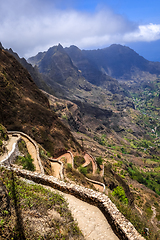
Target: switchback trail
(89,159)
(90,219)
(32,151)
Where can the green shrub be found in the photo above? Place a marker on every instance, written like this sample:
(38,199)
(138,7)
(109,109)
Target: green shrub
(120,193)
(150,179)
(69,166)
(82,170)
(26,162)
(48,154)
(99,161)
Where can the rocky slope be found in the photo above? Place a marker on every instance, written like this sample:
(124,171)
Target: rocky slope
(91,71)
(24,107)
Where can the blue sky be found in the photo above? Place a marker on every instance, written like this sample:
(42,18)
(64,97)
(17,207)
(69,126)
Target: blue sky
(30,26)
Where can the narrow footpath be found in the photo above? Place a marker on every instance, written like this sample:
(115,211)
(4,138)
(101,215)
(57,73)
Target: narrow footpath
(90,219)
(9,145)
(67,157)
(55,166)
(89,159)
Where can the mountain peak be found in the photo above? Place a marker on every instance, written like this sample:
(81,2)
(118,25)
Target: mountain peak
(60,47)
(1,46)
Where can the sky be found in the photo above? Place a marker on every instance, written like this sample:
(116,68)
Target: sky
(32,26)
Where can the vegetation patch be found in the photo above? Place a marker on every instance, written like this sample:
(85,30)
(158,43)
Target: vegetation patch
(120,193)
(26,162)
(140,222)
(78,160)
(99,161)
(83,170)
(29,211)
(149,179)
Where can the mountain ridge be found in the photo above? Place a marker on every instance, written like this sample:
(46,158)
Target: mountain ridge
(116,61)
(59,69)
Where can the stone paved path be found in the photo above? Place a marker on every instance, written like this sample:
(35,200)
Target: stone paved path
(91,221)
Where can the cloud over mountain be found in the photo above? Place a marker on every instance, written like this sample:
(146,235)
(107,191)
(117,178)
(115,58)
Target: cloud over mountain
(29,26)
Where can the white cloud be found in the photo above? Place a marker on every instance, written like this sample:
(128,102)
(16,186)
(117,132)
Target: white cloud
(29,26)
(147,33)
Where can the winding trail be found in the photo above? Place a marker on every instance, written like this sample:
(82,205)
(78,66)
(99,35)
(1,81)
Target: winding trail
(91,221)
(56,164)
(9,144)
(98,186)
(89,159)
(32,151)
(67,157)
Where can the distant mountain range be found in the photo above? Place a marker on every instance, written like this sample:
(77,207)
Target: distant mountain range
(98,66)
(117,61)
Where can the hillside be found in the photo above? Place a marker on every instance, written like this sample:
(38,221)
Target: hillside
(90,70)
(24,107)
(124,142)
(146,97)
